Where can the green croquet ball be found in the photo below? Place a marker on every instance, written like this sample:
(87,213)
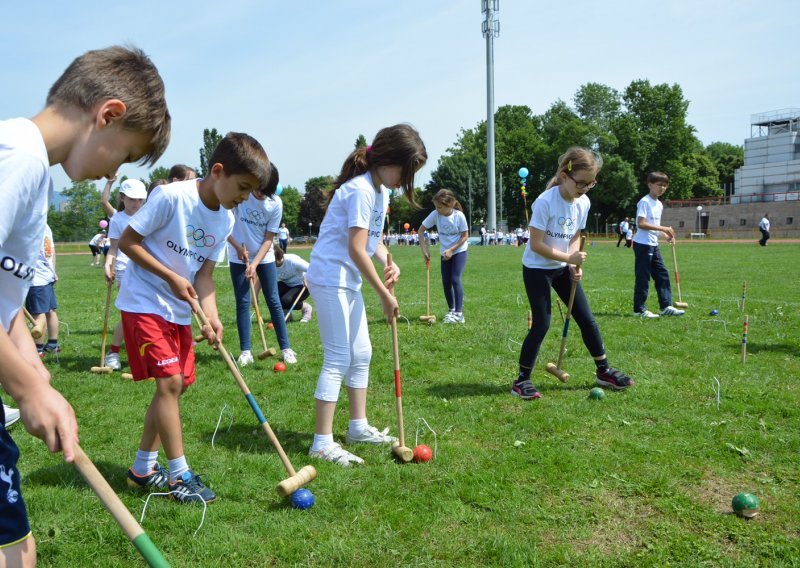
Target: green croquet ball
(597,393)
(745,505)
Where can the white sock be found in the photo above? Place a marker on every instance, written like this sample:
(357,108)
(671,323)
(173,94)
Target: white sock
(247,352)
(357,426)
(321,441)
(145,462)
(459,314)
(177,467)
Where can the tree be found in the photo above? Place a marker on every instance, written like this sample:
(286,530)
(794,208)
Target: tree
(159,173)
(313,205)
(81,216)
(361,142)
(210,140)
(727,158)
(291,208)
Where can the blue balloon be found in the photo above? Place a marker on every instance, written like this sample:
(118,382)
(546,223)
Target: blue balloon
(523,172)
(279,189)
(302,499)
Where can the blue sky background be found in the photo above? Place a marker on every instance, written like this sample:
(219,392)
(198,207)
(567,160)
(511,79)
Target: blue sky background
(307,77)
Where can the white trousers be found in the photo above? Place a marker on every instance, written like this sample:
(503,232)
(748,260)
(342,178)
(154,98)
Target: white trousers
(347,350)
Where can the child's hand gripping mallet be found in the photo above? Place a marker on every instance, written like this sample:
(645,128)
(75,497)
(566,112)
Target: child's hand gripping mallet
(102,368)
(112,503)
(428,317)
(399,448)
(296,479)
(37,329)
(556,370)
(291,309)
(680,303)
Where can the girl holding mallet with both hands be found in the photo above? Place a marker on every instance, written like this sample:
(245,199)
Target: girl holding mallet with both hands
(553,259)
(351,235)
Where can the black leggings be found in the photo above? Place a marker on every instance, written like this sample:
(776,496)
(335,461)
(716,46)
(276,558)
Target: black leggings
(289,294)
(538,282)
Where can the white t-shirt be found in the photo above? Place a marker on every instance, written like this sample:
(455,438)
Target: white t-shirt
(450,228)
(560,220)
(623,228)
(119,222)
(355,204)
(97,240)
(650,209)
(182,234)
(25,187)
(45,271)
(283,234)
(292,270)
(764,224)
(254,218)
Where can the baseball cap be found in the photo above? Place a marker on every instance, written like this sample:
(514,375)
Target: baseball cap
(134,189)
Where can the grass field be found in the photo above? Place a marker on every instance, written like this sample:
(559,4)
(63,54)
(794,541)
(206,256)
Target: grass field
(641,478)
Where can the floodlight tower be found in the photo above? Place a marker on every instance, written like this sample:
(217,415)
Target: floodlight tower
(491,30)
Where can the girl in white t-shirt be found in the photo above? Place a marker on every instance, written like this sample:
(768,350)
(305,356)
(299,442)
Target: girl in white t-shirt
(553,259)
(132,195)
(292,287)
(349,238)
(449,220)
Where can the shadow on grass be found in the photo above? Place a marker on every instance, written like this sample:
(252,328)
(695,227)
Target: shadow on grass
(787,348)
(249,436)
(454,390)
(66,475)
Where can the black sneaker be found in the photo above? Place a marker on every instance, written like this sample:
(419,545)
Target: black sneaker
(189,489)
(613,378)
(525,390)
(156,479)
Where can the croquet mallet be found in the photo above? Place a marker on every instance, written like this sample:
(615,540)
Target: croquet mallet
(37,330)
(399,448)
(268,351)
(556,370)
(291,309)
(102,368)
(428,317)
(680,303)
(296,479)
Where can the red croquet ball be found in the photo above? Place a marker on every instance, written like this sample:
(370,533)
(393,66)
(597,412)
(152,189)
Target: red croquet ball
(270,326)
(279,367)
(422,453)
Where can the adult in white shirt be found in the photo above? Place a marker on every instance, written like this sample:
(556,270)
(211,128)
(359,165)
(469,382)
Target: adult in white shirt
(623,230)
(763,226)
(283,237)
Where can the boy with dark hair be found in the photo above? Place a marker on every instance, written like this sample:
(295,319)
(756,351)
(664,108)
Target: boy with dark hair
(107,108)
(179,235)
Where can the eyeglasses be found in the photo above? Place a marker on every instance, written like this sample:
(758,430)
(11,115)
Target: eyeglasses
(580,184)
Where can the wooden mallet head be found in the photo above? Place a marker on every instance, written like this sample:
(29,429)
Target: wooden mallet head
(680,304)
(270,352)
(429,319)
(101,370)
(402,453)
(560,374)
(298,480)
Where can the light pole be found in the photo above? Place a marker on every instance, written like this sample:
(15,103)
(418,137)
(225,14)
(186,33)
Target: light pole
(699,209)
(596,221)
(491,30)
(309,230)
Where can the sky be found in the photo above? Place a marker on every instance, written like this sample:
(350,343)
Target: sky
(307,77)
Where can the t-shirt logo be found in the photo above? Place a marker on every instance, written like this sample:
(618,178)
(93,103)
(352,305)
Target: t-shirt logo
(566,222)
(200,237)
(256,216)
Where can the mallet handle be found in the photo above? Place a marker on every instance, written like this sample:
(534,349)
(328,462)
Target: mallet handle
(105,326)
(291,309)
(677,276)
(428,284)
(744,294)
(28,316)
(38,326)
(398,389)
(744,339)
(569,312)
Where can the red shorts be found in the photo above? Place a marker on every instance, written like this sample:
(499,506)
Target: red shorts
(158,348)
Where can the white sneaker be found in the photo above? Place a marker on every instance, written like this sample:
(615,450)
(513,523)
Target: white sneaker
(371,435)
(245,359)
(448,317)
(647,314)
(307,310)
(289,356)
(671,311)
(336,454)
(12,415)
(458,318)
(112,361)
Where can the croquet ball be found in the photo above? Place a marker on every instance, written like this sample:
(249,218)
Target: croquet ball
(279,367)
(302,499)
(745,505)
(597,393)
(714,313)
(270,326)
(422,453)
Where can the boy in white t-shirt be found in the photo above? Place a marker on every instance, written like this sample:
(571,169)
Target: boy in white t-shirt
(178,236)
(649,262)
(108,107)
(41,301)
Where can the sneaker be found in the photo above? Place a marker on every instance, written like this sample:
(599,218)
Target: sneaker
(336,454)
(525,390)
(156,479)
(307,310)
(647,314)
(51,348)
(671,311)
(12,415)
(449,317)
(189,489)
(112,361)
(289,356)
(613,378)
(458,318)
(245,359)
(371,435)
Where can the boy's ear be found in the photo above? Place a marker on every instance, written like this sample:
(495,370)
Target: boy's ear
(110,111)
(217,170)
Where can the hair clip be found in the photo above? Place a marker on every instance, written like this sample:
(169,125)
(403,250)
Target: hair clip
(369,148)
(569,166)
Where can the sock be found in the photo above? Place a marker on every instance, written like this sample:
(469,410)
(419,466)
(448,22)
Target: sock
(114,348)
(177,467)
(458,314)
(357,426)
(524,374)
(321,441)
(246,352)
(40,347)
(602,365)
(52,342)
(145,462)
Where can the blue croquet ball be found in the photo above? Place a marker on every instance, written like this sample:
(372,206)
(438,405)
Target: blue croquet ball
(302,499)
(597,393)
(714,313)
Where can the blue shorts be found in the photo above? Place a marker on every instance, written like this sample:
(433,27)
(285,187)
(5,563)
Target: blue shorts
(41,299)
(14,526)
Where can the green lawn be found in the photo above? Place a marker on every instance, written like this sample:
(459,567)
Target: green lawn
(641,478)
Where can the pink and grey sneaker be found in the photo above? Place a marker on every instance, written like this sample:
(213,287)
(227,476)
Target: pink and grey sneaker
(525,390)
(614,379)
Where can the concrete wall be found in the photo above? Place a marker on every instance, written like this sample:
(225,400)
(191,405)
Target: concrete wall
(732,216)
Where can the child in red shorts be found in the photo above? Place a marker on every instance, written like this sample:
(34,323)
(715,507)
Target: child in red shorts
(178,236)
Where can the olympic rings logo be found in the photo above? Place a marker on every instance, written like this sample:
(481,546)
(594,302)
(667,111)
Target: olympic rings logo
(256,216)
(566,222)
(200,238)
